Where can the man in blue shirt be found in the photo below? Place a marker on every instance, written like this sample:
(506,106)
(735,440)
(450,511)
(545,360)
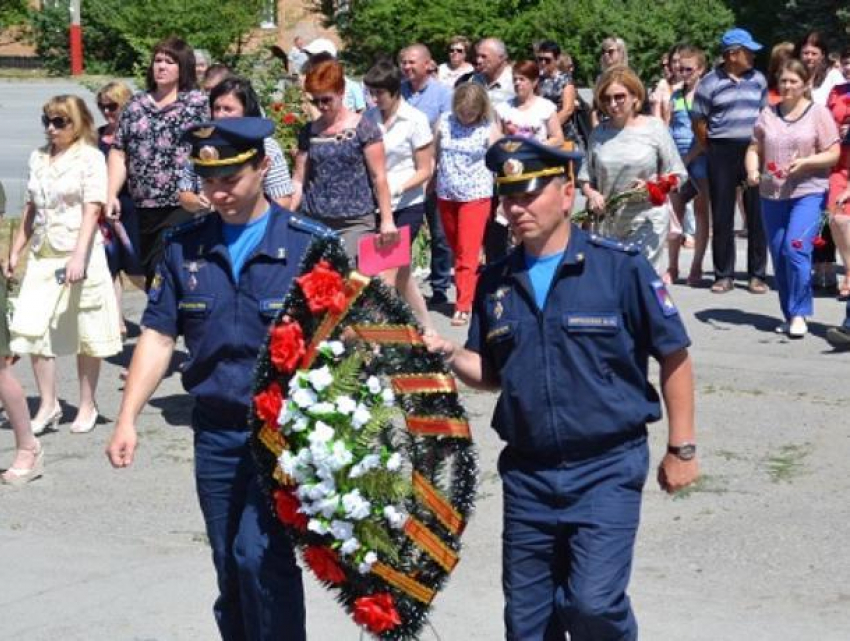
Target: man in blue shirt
(221,282)
(564,327)
(726,105)
(432,98)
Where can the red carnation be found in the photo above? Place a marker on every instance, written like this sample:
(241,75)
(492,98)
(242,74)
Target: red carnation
(797,244)
(771,166)
(324,288)
(290,119)
(287,346)
(268,404)
(657,195)
(277,106)
(819,242)
(376,612)
(287,506)
(323,562)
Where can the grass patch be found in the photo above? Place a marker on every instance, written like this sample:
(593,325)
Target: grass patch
(705,484)
(788,463)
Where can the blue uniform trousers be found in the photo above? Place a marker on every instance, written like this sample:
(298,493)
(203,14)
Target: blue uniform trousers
(567,544)
(261,596)
(786,222)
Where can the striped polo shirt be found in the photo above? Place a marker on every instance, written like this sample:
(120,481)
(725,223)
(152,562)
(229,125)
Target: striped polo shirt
(730,107)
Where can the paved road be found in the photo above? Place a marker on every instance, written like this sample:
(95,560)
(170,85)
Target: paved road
(756,552)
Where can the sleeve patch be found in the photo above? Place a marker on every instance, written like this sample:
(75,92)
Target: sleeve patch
(665,301)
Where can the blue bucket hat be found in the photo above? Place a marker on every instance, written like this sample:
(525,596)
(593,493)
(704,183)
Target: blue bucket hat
(736,37)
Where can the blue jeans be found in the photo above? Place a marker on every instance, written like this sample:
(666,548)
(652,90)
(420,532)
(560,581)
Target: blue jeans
(441,254)
(788,223)
(567,545)
(261,596)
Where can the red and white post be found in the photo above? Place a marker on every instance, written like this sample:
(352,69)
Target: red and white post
(76,39)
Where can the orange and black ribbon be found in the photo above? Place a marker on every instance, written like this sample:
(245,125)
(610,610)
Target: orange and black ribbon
(424,384)
(272,439)
(389,334)
(404,583)
(354,286)
(436,502)
(431,544)
(439,426)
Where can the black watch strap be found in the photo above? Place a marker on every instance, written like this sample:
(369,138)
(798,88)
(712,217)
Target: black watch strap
(685,451)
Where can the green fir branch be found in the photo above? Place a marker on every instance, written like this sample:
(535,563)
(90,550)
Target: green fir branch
(373,536)
(381,415)
(346,381)
(383,486)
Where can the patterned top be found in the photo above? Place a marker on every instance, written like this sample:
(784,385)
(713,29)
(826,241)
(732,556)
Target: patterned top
(276,184)
(730,106)
(552,88)
(150,139)
(337,183)
(462,175)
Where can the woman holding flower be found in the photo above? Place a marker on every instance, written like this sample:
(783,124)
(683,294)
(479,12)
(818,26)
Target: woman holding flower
(795,143)
(624,153)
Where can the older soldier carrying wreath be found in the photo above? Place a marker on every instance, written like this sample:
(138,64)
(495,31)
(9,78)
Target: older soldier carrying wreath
(591,311)
(220,284)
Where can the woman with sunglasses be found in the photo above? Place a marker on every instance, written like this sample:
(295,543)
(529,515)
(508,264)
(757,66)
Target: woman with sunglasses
(625,151)
(557,87)
(66,303)
(449,72)
(122,246)
(148,153)
(340,168)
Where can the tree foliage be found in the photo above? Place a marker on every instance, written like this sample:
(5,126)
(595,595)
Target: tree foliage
(12,13)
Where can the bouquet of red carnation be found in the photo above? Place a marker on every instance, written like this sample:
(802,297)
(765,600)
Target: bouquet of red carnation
(653,191)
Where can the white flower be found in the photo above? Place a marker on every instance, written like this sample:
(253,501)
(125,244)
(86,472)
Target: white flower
(297,382)
(349,546)
(321,434)
(345,405)
(342,530)
(292,466)
(373,384)
(396,518)
(301,423)
(321,490)
(322,408)
(304,397)
(318,526)
(336,347)
(361,416)
(394,462)
(388,397)
(368,462)
(320,378)
(355,506)
(340,456)
(369,559)
(328,506)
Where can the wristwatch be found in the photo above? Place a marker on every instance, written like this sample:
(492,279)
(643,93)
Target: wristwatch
(684,452)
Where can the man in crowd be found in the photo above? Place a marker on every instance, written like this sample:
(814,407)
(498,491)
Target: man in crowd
(423,91)
(493,70)
(563,328)
(726,104)
(297,57)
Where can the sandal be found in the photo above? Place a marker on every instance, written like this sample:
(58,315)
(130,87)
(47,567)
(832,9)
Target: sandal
(460,318)
(722,286)
(844,292)
(18,476)
(757,286)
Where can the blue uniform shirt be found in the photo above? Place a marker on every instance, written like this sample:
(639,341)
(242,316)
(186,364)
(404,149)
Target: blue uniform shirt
(224,321)
(573,375)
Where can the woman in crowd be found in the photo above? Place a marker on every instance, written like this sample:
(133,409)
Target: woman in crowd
(120,257)
(692,64)
(813,51)
(557,86)
(340,167)
(234,97)
(624,152)
(614,54)
(839,105)
(66,303)
(795,143)
(458,64)
(408,142)
(659,98)
(28,463)
(527,114)
(465,185)
(778,54)
(148,153)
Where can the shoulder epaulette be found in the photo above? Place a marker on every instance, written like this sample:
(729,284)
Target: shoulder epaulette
(613,243)
(189,225)
(310,226)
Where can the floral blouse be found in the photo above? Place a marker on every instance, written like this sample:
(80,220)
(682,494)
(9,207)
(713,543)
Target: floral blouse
(151,139)
(337,183)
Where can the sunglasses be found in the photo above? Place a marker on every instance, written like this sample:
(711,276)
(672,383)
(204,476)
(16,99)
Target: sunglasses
(107,106)
(545,60)
(687,69)
(617,99)
(609,52)
(457,50)
(321,100)
(58,122)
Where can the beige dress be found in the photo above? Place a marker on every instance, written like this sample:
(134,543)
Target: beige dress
(52,319)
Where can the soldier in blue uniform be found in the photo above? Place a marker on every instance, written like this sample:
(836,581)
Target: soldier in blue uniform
(221,282)
(564,327)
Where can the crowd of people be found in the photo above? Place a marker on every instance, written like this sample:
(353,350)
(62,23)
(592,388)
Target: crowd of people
(409,146)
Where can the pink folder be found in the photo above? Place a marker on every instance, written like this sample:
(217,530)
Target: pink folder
(372,260)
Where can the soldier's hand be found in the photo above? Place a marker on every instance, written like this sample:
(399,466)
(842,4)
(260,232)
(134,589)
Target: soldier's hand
(438,345)
(122,446)
(675,474)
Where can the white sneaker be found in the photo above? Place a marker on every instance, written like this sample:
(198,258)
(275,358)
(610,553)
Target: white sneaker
(797,328)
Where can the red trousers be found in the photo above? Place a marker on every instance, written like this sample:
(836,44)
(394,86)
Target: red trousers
(464,224)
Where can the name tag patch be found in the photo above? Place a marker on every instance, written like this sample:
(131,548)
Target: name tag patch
(271,305)
(665,301)
(194,305)
(592,322)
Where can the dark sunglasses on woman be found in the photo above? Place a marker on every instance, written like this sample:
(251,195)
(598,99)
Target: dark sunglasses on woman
(58,122)
(107,107)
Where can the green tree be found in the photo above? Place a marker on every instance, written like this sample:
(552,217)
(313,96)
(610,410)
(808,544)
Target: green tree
(12,13)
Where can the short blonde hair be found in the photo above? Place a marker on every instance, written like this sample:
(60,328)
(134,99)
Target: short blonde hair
(471,97)
(116,91)
(74,109)
(619,74)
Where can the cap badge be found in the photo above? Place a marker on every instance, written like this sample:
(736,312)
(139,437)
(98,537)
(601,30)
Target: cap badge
(203,132)
(512,167)
(511,145)
(208,153)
